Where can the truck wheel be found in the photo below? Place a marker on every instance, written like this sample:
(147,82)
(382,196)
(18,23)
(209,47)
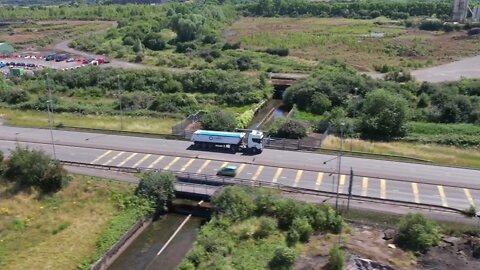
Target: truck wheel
(233,148)
(254,150)
(203,145)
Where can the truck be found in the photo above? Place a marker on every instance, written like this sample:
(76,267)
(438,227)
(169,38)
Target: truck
(251,141)
(50,56)
(61,57)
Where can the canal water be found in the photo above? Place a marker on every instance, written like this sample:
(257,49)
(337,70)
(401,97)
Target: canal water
(272,110)
(142,253)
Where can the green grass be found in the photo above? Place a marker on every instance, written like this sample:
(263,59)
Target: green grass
(40,119)
(57,231)
(438,154)
(460,135)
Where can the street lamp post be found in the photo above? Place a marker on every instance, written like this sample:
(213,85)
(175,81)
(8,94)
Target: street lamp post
(354,115)
(50,117)
(339,165)
(120,102)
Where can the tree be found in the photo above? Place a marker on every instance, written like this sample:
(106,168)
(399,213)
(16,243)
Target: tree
(219,120)
(234,203)
(291,129)
(157,187)
(283,258)
(384,115)
(154,41)
(35,168)
(336,259)
(320,104)
(417,233)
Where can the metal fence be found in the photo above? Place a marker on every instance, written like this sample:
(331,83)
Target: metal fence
(180,128)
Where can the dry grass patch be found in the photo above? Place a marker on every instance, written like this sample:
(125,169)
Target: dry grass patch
(348,40)
(57,231)
(445,155)
(40,119)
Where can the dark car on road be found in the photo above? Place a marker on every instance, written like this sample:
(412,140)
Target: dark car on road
(227,171)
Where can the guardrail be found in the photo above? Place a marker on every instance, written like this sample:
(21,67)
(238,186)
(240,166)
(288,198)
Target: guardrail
(212,180)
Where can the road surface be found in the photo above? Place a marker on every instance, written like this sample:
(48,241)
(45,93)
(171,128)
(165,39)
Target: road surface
(454,71)
(444,186)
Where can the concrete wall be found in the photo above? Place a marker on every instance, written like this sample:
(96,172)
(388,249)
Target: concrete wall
(460,10)
(476,13)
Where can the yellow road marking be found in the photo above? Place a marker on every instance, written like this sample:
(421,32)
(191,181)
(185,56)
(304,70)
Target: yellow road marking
(297,177)
(441,191)
(319,180)
(112,159)
(342,183)
(155,162)
(203,166)
(383,188)
(127,159)
(224,164)
(188,164)
(415,192)
(171,163)
(141,161)
(469,196)
(101,156)
(240,169)
(364,186)
(277,175)
(257,173)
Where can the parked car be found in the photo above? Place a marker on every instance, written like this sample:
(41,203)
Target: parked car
(31,65)
(50,57)
(85,61)
(20,64)
(227,171)
(2,64)
(69,60)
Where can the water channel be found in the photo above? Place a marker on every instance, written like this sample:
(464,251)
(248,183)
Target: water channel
(142,253)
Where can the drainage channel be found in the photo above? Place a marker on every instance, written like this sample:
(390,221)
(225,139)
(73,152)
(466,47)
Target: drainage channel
(163,245)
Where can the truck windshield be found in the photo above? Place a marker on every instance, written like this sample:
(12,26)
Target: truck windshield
(257,140)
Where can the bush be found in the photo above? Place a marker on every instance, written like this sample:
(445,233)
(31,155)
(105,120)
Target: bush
(234,203)
(291,129)
(283,258)
(417,233)
(336,259)
(231,46)
(470,211)
(431,25)
(303,227)
(320,104)
(159,188)
(266,227)
(279,52)
(245,119)
(35,168)
(384,115)
(219,120)
(292,237)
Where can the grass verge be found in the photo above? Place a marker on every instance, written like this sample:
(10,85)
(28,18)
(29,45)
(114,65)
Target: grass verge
(439,154)
(57,231)
(40,119)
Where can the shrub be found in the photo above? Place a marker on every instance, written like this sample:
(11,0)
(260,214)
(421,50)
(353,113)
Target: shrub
(336,259)
(266,227)
(231,46)
(219,120)
(245,119)
(279,51)
(291,129)
(303,227)
(292,237)
(234,203)
(417,233)
(470,211)
(283,258)
(320,104)
(159,188)
(35,168)
(431,25)
(384,115)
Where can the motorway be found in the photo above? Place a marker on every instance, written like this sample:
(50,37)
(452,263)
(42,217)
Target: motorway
(417,183)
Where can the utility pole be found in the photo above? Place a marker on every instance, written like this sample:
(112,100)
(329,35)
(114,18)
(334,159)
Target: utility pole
(350,186)
(339,165)
(120,102)
(50,116)
(354,115)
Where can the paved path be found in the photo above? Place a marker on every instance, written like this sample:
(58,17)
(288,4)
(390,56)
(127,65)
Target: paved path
(454,71)
(452,187)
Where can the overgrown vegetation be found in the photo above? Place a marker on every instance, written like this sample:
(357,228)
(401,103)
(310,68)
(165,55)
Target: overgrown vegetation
(417,233)
(336,259)
(248,221)
(84,218)
(34,168)
(159,188)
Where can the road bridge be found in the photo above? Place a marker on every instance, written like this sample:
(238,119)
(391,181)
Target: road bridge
(378,179)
